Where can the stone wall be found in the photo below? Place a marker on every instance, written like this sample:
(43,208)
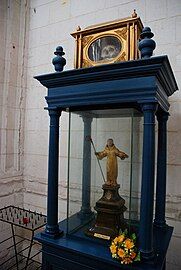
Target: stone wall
(48,24)
(13,22)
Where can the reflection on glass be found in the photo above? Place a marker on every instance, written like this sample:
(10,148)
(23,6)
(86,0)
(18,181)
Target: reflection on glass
(105,48)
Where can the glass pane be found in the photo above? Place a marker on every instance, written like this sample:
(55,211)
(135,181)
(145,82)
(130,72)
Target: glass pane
(90,178)
(136,169)
(104,49)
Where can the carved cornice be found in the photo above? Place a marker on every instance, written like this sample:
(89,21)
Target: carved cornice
(145,80)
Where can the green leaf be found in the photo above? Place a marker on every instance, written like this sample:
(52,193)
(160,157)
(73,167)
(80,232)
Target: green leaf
(125,232)
(133,237)
(137,259)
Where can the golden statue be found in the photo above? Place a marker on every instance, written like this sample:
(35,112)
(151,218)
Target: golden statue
(111,152)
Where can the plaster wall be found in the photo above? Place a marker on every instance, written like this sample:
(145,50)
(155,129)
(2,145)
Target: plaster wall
(51,22)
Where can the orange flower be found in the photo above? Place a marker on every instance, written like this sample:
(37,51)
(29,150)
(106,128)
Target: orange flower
(121,253)
(124,249)
(133,255)
(128,243)
(113,248)
(127,260)
(120,238)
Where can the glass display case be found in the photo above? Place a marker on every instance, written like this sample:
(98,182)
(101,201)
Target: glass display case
(113,180)
(103,183)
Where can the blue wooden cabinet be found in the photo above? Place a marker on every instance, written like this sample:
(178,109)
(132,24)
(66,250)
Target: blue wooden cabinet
(143,85)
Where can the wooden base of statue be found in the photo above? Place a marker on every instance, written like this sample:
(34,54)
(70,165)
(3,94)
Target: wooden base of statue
(110,214)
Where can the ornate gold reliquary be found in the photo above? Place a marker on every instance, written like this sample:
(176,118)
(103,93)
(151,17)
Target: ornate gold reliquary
(107,43)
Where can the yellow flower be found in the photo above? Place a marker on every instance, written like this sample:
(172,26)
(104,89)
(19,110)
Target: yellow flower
(127,260)
(128,243)
(120,238)
(115,240)
(113,248)
(121,253)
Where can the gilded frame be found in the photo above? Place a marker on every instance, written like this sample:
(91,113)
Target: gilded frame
(126,30)
(88,40)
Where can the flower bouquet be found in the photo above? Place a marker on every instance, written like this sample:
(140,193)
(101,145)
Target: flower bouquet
(123,248)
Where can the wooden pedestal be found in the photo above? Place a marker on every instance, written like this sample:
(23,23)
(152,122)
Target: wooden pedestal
(110,214)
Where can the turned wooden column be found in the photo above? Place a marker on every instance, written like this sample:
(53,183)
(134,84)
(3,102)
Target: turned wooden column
(147,186)
(86,172)
(52,228)
(162,118)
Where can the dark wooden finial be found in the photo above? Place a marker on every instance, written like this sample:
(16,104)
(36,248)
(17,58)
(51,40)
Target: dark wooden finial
(146,44)
(59,61)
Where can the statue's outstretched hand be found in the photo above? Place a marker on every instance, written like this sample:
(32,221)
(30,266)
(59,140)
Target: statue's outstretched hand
(124,155)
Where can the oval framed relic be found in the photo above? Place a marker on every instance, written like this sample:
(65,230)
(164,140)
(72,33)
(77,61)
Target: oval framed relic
(104,49)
